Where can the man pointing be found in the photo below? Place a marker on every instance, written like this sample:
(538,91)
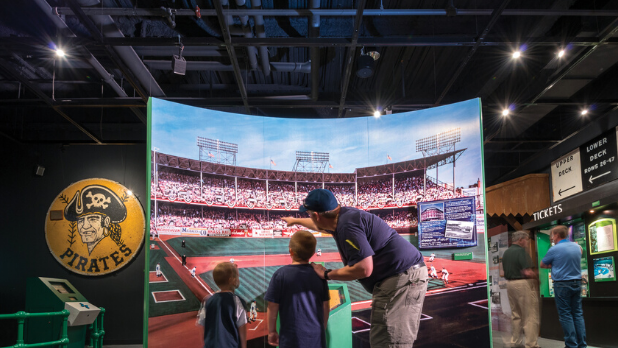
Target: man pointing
(383,262)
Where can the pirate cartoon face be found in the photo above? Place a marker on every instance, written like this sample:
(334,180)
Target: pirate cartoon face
(97,211)
(95,227)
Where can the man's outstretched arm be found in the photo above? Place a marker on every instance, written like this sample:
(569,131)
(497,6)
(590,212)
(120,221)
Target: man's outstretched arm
(305,222)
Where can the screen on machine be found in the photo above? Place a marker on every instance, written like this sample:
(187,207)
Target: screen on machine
(61,288)
(337,298)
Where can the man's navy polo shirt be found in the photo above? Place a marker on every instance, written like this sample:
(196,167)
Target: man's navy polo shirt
(360,234)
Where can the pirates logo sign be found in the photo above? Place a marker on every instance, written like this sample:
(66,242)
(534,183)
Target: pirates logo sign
(95,227)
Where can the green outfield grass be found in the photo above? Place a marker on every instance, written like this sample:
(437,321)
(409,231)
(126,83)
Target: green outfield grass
(254,283)
(174,283)
(213,246)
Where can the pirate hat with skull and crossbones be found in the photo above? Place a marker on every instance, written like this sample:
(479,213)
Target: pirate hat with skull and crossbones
(96,199)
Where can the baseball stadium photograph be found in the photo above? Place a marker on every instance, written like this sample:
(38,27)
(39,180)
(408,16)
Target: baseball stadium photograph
(223,187)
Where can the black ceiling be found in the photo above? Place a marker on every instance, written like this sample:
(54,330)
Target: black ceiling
(299,59)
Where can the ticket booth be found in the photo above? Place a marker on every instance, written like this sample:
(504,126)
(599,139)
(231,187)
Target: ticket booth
(54,295)
(339,330)
(590,218)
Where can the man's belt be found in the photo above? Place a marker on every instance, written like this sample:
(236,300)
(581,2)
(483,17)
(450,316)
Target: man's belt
(419,265)
(570,280)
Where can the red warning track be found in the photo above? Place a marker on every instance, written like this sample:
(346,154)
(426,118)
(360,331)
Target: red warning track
(169,330)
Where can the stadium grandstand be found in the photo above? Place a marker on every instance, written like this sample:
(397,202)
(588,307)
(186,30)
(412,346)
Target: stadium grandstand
(221,196)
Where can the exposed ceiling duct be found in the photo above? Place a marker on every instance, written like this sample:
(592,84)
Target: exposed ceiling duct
(260,33)
(304,68)
(128,55)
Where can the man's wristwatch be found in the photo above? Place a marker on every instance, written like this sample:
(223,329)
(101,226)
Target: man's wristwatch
(326,274)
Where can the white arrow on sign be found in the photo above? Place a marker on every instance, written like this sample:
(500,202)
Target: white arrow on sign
(596,177)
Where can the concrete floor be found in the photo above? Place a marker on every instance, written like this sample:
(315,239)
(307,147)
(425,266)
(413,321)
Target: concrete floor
(498,343)
(500,339)
(497,338)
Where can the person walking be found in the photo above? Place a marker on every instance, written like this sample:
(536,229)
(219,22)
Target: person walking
(522,290)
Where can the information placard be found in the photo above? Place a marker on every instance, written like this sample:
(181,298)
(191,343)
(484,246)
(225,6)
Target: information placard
(602,236)
(566,176)
(447,224)
(604,269)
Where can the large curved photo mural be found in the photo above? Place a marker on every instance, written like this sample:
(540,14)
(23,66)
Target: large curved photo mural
(221,182)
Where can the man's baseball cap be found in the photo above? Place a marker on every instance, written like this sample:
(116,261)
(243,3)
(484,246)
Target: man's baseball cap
(319,200)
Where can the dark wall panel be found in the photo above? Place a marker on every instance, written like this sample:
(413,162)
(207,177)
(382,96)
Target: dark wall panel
(598,313)
(24,252)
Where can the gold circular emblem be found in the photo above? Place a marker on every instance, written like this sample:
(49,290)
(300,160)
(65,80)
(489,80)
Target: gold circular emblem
(95,227)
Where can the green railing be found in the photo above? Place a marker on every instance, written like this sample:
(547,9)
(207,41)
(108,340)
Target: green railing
(21,319)
(96,329)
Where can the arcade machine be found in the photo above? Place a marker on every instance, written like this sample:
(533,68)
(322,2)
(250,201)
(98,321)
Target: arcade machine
(54,295)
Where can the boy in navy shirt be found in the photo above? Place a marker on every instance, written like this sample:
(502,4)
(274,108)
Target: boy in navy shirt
(300,297)
(223,314)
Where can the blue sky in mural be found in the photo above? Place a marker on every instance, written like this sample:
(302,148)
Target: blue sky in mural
(351,142)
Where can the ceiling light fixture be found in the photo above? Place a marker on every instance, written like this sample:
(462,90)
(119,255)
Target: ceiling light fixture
(505,112)
(179,64)
(584,112)
(561,54)
(377,113)
(60,53)
(516,54)
(366,63)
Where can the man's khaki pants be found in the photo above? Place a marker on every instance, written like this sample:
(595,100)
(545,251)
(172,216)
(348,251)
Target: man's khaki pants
(524,301)
(396,309)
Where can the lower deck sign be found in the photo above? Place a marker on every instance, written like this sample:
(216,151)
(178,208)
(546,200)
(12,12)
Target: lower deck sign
(599,162)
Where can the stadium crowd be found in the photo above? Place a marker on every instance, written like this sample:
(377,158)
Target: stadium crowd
(343,193)
(253,193)
(219,218)
(213,218)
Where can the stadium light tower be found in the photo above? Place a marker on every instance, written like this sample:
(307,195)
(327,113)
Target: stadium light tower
(217,151)
(311,162)
(440,143)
